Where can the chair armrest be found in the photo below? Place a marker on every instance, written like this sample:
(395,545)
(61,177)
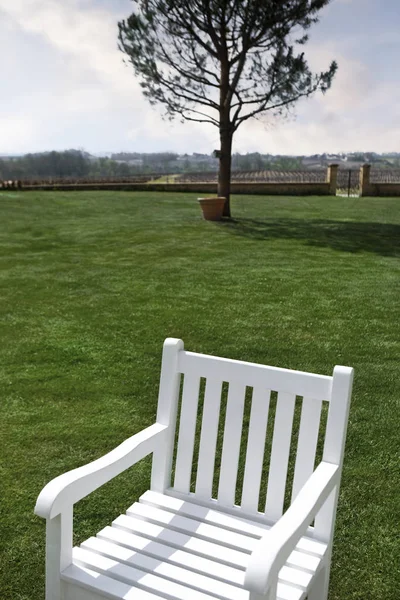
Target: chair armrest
(274,548)
(67,489)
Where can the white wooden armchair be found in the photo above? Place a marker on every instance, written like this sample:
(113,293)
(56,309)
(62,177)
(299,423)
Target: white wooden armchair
(184,545)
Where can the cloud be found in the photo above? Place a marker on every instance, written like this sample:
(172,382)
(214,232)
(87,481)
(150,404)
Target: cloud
(76,74)
(21,131)
(356,113)
(86,34)
(70,88)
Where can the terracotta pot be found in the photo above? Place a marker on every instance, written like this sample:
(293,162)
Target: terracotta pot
(212,208)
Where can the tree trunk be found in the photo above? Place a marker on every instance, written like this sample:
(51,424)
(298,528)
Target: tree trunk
(224,174)
(225,135)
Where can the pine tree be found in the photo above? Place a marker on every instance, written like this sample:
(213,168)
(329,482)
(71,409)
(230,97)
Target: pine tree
(223,62)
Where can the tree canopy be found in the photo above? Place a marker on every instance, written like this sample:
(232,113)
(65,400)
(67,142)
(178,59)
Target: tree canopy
(178,47)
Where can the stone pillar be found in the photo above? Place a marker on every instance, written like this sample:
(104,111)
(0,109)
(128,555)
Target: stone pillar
(331,178)
(365,173)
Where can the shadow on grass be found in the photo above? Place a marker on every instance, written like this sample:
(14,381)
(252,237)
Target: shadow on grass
(348,236)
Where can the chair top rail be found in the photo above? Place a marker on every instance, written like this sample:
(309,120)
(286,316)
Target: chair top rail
(253,374)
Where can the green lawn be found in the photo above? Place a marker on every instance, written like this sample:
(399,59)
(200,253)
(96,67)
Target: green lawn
(92,283)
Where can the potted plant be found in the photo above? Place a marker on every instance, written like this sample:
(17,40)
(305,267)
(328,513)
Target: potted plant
(212,207)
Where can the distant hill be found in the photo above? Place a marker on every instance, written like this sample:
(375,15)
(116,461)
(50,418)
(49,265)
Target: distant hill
(78,163)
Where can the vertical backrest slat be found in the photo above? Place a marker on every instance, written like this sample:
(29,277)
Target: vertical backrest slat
(212,432)
(231,444)
(255,449)
(168,397)
(307,443)
(279,455)
(335,438)
(187,430)
(208,439)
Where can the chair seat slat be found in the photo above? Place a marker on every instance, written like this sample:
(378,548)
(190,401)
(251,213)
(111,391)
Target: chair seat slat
(182,557)
(200,529)
(137,577)
(193,579)
(106,587)
(182,554)
(210,541)
(102,567)
(200,513)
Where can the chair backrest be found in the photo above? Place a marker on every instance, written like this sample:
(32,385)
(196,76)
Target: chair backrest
(230,390)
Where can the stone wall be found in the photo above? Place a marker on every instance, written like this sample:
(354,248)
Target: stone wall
(282,189)
(367,188)
(384,189)
(376,189)
(266,189)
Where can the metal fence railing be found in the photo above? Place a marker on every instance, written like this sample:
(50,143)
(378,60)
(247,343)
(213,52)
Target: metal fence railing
(385,176)
(348,182)
(315,176)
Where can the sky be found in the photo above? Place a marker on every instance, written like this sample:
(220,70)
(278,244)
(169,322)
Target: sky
(64,85)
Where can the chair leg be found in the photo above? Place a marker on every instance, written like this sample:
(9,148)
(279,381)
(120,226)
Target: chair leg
(58,552)
(319,589)
(271,594)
